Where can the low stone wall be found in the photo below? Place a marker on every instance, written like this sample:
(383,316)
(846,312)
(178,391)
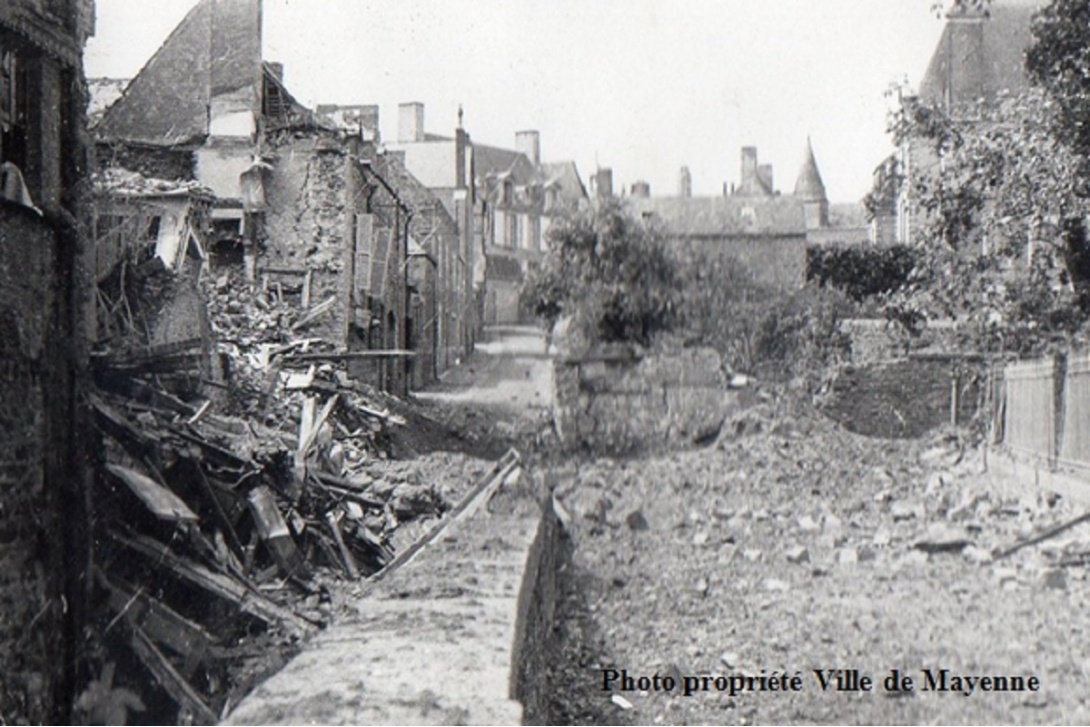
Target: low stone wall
(905,398)
(614,400)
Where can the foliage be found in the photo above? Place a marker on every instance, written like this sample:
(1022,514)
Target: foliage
(1058,60)
(860,272)
(611,272)
(800,333)
(721,304)
(998,217)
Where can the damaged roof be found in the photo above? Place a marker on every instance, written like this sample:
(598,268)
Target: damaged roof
(214,51)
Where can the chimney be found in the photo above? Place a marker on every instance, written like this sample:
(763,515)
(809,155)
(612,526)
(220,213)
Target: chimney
(277,70)
(764,174)
(410,122)
(749,167)
(603,183)
(684,183)
(529,143)
(641,189)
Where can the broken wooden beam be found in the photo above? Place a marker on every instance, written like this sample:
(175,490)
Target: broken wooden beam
(169,677)
(162,623)
(350,567)
(348,355)
(274,532)
(217,584)
(162,503)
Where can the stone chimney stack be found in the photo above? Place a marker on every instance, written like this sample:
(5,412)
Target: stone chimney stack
(685,183)
(277,70)
(641,189)
(529,143)
(764,175)
(603,183)
(749,168)
(410,122)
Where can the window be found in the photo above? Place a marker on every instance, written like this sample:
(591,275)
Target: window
(13,139)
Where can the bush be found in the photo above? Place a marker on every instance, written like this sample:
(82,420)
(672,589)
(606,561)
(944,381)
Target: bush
(860,272)
(800,334)
(609,271)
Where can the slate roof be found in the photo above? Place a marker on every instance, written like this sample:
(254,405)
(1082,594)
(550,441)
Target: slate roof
(808,185)
(724,216)
(566,177)
(954,74)
(214,50)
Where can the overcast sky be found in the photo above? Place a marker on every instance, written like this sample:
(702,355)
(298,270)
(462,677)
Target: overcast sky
(642,86)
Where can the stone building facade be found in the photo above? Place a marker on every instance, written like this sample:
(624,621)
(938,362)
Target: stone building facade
(44,279)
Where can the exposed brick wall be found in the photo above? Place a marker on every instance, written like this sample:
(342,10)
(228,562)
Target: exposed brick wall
(165,163)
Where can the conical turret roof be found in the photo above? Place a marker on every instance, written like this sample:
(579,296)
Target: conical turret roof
(809,186)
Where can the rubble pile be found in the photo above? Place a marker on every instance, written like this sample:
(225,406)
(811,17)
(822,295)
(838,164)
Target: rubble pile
(227,515)
(791,544)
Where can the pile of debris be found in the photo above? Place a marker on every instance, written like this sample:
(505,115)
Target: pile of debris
(225,514)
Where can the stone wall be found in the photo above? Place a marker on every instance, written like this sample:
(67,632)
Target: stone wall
(874,340)
(611,400)
(905,398)
(31,537)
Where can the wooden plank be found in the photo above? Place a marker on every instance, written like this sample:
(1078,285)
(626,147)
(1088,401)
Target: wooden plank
(274,531)
(217,584)
(349,355)
(169,678)
(350,567)
(163,503)
(485,487)
(162,623)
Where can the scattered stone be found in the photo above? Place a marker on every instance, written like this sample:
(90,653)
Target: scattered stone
(700,538)
(942,538)
(847,556)
(774,584)
(723,513)
(752,554)
(832,523)
(906,510)
(760,515)
(798,554)
(916,557)
(702,586)
(807,524)
(976,554)
(622,702)
(636,521)
(1054,578)
(866,554)
(730,659)
(882,538)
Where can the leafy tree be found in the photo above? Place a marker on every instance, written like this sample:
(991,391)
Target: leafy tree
(1058,60)
(998,217)
(611,272)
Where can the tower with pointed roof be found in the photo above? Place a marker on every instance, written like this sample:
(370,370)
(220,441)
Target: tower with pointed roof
(810,190)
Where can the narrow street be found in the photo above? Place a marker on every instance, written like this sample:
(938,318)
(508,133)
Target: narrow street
(432,642)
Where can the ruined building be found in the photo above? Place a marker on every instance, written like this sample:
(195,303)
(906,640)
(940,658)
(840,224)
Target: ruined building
(305,204)
(43,294)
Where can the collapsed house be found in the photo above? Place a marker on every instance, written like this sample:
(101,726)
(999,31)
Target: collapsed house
(267,284)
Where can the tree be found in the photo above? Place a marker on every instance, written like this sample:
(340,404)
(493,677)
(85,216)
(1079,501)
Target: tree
(610,271)
(999,214)
(1058,60)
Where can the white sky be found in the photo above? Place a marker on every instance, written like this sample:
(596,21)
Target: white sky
(643,86)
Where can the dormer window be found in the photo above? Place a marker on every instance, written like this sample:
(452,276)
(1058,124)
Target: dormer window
(508,192)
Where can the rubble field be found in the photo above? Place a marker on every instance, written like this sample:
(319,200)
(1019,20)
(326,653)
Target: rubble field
(791,545)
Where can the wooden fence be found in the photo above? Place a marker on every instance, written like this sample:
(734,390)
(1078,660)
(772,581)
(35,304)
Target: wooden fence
(1042,409)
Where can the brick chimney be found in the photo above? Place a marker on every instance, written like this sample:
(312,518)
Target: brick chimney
(749,168)
(529,143)
(603,183)
(685,183)
(641,189)
(410,122)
